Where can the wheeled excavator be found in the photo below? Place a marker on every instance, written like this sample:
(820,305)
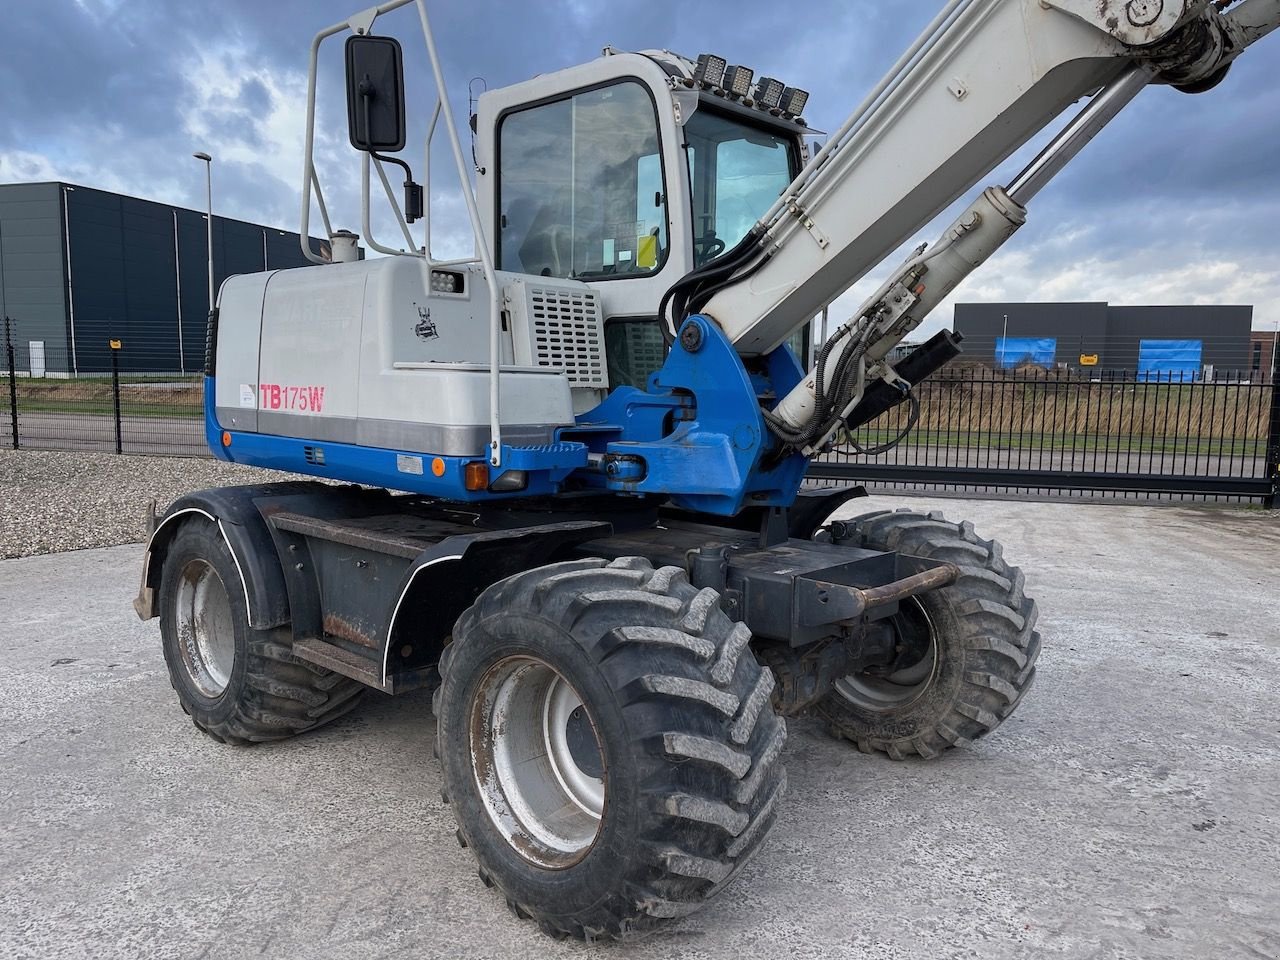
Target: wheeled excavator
(560,482)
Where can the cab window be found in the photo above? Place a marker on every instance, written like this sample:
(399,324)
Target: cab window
(581,192)
(736,171)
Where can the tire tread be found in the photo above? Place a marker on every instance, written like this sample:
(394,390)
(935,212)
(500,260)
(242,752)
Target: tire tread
(281,695)
(710,797)
(997,634)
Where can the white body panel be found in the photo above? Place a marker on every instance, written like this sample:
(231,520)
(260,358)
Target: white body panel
(239,339)
(311,322)
(365,353)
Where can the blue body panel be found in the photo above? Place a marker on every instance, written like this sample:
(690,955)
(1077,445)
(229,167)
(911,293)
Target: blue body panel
(547,465)
(698,428)
(696,435)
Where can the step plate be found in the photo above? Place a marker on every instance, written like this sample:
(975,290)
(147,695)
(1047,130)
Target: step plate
(362,668)
(335,658)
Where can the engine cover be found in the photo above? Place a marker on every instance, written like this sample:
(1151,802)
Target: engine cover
(375,354)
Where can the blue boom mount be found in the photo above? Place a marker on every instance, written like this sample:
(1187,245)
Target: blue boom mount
(696,434)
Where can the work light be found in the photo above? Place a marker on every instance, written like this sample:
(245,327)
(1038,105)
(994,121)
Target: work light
(737,81)
(710,70)
(793,101)
(768,93)
(442,282)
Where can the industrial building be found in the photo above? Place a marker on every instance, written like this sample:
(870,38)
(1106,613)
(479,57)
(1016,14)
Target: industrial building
(81,267)
(1264,355)
(1177,342)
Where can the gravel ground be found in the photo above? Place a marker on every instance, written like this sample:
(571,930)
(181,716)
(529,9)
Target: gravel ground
(55,501)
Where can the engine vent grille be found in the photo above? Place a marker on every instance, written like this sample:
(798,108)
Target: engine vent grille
(314,455)
(566,333)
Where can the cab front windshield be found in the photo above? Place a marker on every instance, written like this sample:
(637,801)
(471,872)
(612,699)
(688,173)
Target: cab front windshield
(736,171)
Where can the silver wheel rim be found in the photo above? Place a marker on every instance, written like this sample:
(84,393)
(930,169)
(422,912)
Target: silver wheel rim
(537,762)
(204,628)
(903,687)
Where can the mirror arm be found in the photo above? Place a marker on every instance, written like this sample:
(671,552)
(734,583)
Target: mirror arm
(366,98)
(412,191)
(408,174)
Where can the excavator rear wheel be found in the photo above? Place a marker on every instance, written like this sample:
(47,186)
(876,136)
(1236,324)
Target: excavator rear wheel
(974,644)
(607,745)
(238,684)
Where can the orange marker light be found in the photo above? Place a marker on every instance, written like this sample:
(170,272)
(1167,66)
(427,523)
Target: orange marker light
(226,438)
(437,467)
(476,475)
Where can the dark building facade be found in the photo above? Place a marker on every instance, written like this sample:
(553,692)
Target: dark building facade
(1264,355)
(80,267)
(1159,340)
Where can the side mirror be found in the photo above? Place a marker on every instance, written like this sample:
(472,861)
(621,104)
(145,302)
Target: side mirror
(375,94)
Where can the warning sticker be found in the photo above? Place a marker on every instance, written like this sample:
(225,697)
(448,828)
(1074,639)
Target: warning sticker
(407,464)
(247,397)
(647,252)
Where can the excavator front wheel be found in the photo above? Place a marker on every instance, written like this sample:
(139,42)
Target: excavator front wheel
(607,745)
(967,651)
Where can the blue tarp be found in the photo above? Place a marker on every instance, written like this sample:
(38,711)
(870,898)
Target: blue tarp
(1169,360)
(1015,351)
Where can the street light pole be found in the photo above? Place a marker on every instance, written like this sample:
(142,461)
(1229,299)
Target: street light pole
(1275,348)
(67,190)
(208,202)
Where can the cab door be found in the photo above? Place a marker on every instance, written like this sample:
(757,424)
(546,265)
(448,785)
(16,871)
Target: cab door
(584,178)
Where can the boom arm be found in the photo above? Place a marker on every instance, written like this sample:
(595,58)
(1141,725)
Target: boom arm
(980,82)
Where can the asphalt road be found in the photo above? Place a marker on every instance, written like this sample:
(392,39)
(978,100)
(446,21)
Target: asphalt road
(180,436)
(1127,810)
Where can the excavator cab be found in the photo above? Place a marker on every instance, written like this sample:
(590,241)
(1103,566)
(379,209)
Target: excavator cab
(627,173)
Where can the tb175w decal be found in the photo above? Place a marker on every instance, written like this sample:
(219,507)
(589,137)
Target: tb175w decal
(279,396)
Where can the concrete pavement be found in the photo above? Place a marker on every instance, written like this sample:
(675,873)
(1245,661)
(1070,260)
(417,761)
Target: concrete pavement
(1128,809)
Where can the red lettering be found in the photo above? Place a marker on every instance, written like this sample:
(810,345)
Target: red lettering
(277,396)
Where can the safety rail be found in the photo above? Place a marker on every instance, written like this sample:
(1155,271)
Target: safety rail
(360,24)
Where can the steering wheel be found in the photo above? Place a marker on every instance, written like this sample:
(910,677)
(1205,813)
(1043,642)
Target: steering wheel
(708,247)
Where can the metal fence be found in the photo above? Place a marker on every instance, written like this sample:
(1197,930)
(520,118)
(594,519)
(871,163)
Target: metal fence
(1109,433)
(44,404)
(1031,430)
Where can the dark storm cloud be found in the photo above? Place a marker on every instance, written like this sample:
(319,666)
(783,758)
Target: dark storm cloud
(120,91)
(1173,146)
(61,66)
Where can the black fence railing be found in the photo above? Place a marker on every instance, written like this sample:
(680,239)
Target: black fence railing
(46,404)
(1113,432)
(1108,433)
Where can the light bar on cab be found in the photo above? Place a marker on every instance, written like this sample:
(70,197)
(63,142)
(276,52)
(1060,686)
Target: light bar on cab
(735,83)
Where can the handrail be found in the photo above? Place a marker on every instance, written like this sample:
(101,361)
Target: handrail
(486,261)
(360,24)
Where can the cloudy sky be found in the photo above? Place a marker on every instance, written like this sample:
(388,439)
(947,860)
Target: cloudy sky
(1178,201)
